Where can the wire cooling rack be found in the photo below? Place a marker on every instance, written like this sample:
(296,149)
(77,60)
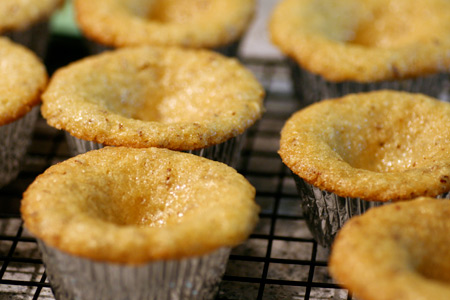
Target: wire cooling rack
(279,261)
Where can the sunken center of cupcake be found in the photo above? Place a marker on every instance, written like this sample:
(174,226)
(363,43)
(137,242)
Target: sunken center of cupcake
(391,24)
(155,91)
(151,200)
(427,244)
(432,265)
(178,11)
(383,140)
(170,11)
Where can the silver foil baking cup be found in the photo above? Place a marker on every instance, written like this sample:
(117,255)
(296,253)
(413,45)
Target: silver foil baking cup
(227,152)
(35,38)
(230,50)
(310,88)
(75,278)
(15,139)
(96,48)
(79,146)
(325,212)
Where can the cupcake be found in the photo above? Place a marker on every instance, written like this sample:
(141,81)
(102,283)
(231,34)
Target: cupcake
(22,79)
(398,251)
(127,223)
(181,99)
(348,46)
(209,24)
(26,22)
(363,150)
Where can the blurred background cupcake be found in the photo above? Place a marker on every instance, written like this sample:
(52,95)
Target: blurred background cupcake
(406,247)
(363,150)
(27,22)
(217,25)
(347,46)
(22,79)
(180,99)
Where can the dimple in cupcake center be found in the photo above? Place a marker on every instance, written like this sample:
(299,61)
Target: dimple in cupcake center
(171,11)
(427,246)
(432,267)
(391,24)
(166,89)
(142,200)
(178,11)
(384,143)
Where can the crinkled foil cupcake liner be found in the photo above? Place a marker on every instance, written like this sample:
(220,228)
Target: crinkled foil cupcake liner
(194,278)
(325,212)
(310,88)
(227,152)
(15,139)
(35,38)
(230,50)
(96,48)
(79,146)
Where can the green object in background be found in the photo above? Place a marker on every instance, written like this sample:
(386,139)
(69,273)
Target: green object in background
(63,21)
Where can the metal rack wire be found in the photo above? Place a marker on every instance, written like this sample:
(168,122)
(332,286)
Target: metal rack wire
(279,261)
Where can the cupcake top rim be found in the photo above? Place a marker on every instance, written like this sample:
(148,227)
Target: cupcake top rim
(205,24)
(133,206)
(170,97)
(411,259)
(24,78)
(377,146)
(328,39)
(19,15)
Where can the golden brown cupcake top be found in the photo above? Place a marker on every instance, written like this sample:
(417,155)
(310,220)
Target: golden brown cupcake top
(20,14)
(378,146)
(22,79)
(151,96)
(396,251)
(130,205)
(367,40)
(190,23)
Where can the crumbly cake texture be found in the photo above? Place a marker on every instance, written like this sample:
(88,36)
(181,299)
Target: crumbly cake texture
(396,251)
(377,146)
(189,23)
(150,96)
(21,14)
(133,206)
(23,79)
(364,41)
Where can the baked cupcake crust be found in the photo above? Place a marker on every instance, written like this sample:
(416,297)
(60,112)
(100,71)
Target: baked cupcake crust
(21,14)
(364,41)
(190,23)
(397,251)
(133,206)
(151,96)
(23,79)
(379,146)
